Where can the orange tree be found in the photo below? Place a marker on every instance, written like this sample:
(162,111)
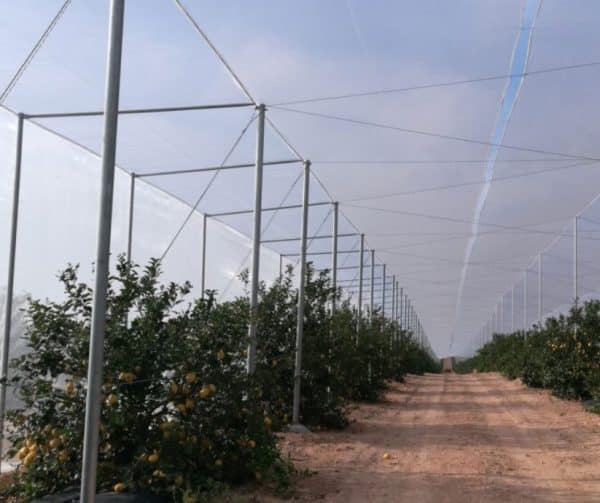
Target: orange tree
(563,354)
(180,416)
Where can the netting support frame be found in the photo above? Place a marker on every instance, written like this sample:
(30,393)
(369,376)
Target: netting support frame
(98,324)
(10,284)
(301,289)
(334,253)
(256,236)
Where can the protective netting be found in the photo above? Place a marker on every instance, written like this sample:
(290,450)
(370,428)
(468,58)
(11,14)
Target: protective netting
(407,166)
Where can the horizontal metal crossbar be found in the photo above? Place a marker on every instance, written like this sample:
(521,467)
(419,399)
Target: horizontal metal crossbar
(215,168)
(352,267)
(319,253)
(273,208)
(134,111)
(326,236)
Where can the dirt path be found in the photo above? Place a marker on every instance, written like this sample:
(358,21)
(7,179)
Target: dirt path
(473,438)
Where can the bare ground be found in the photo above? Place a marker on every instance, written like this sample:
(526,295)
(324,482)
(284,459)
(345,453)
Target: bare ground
(455,438)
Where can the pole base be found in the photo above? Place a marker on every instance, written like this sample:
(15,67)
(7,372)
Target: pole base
(297,428)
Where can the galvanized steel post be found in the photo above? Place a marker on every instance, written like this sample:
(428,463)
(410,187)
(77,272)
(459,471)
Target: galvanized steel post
(575,261)
(525,302)
(512,309)
(334,252)
(131,210)
(383,293)
(10,283)
(540,286)
(372,300)
(502,314)
(254,278)
(301,285)
(360,278)
(203,261)
(98,323)
(401,307)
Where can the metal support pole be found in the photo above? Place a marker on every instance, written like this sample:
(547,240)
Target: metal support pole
(540,285)
(98,323)
(360,279)
(394,299)
(502,314)
(383,294)
(131,209)
(575,261)
(401,306)
(254,278)
(372,300)
(302,281)
(512,310)
(397,313)
(406,311)
(10,283)
(334,252)
(203,262)
(280,265)
(525,301)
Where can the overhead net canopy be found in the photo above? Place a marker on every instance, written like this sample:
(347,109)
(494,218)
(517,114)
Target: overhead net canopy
(454,136)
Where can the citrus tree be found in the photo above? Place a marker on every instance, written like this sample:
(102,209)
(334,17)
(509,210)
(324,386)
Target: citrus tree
(179,413)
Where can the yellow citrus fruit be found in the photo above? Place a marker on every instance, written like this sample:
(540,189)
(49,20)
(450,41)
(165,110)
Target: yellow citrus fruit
(212,388)
(178,481)
(159,474)
(221,355)
(219,462)
(204,392)
(387,455)
(190,404)
(190,377)
(120,487)
(112,400)
(22,454)
(54,443)
(268,421)
(63,456)
(174,388)
(181,408)
(153,458)
(29,459)
(251,444)
(127,377)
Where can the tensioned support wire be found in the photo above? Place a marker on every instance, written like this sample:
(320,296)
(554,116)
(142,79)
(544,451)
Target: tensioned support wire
(223,61)
(245,90)
(208,186)
(38,45)
(378,125)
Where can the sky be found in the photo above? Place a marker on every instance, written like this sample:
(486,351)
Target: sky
(451,219)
